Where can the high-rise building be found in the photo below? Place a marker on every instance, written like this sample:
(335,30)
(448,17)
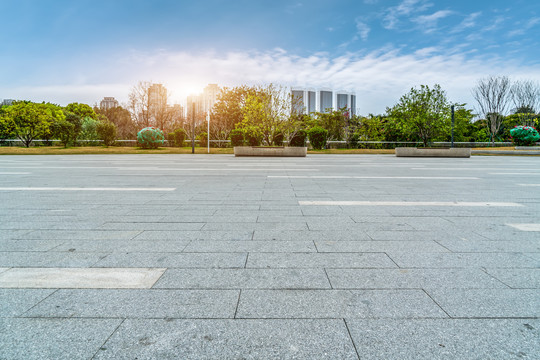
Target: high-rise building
(309,101)
(202,104)
(157,98)
(108,103)
(7,102)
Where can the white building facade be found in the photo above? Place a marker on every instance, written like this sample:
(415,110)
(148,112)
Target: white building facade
(323,100)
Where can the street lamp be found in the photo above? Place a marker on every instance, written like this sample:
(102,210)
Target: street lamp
(208,132)
(193,128)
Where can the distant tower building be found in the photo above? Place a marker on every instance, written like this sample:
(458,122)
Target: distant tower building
(108,103)
(209,97)
(157,98)
(7,102)
(308,101)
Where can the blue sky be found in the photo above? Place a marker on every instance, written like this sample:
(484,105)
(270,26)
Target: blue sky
(65,51)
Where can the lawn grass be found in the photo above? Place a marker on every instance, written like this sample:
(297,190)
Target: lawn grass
(58,150)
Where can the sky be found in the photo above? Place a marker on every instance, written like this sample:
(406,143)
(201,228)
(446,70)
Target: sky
(80,51)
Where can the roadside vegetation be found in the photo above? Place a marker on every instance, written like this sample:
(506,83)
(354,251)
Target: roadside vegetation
(269,116)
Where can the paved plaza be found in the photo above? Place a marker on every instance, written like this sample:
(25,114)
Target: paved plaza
(217,257)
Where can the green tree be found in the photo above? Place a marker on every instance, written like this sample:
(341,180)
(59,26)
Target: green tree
(106,131)
(336,122)
(64,131)
(227,111)
(317,137)
(122,119)
(268,113)
(89,130)
(422,113)
(28,121)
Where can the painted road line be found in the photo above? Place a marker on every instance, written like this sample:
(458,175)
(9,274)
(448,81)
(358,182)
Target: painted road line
(515,173)
(212,169)
(82,189)
(408,203)
(80,278)
(528,184)
(526,227)
(15,173)
(378,177)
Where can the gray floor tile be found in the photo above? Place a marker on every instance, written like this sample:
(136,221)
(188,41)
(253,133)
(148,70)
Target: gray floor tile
(379,246)
(462,260)
(230,339)
(49,259)
(179,260)
(243,279)
(319,260)
(251,246)
(102,303)
(518,278)
(294,304)
(54,338)
(432,339)
(171,246)
(412,279)
(489,303)
(16,301)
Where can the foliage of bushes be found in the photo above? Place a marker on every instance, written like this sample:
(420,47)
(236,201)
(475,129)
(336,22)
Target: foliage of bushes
(237,137)
(106,131)
(299,138)
(150,138)
(318,137)
(177,137)
(524,135)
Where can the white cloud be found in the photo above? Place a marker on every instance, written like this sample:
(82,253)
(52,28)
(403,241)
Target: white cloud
(405,8)
(363,29)
(428,23)
(378,78)
(468,22)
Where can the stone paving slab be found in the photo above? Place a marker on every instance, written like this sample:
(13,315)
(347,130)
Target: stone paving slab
(432,339)
(105,303)
(16,302)
(379,246)
(230,339)
(319,260)
(298,304)
(49,259)
(483,246)
(123,246)
(517,278)
(243,279)
(253,246)
(488,303)
(462,260)
(412,279)
(172,260)
(67,339)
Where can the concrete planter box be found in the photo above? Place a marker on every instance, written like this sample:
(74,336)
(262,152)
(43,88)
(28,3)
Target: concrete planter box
(270,151)
(527,147)
(433,152)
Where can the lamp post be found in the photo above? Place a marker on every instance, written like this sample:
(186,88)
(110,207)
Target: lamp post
(452,125)
(208,132)
(193,128)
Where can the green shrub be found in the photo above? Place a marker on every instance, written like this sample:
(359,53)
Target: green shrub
(299,139)
(150,138)
(178,137)
(237,137)
(317,137)
(203,139)
(353,141)
(64,131)
(253,138)
(278,139)
(106,131)
(524,135)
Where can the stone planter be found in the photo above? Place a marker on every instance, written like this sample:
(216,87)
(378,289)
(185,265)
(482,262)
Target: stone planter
(433,152)
(278,151)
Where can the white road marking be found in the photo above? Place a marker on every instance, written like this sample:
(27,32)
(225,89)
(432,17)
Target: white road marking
(379,177)
(526,227)
(14,173)
(81,189)
(408,203)
(528,184)
(80,278)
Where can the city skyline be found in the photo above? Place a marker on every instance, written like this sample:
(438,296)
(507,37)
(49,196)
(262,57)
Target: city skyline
(81,52)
